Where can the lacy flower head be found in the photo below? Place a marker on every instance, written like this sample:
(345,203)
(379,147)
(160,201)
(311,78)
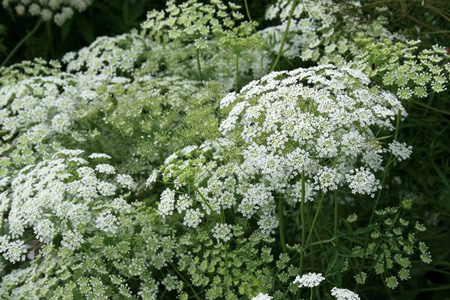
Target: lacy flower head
(63,199)
(109,56)
(193,21)
(58,10)
(320,124)
(359,43)
(206,40)
(309,280)
(26,69)
(321,121)
(402,67)
(315,34)
(39,108)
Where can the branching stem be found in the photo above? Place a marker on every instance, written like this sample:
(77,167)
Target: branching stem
(285,35)
(11,54)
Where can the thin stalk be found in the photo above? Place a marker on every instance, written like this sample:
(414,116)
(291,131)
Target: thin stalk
(302,214)
(438,288)
(227,264)
(285,35)
(386,170)
(199,68)
(377,200)
(223,221)
(335,213)
(187,282)
(281,221)
(247,10)
(312,294)
(431,108)
(126,12)
(11,54)
(50,37)
(315,220)
(237,73)
(204,200)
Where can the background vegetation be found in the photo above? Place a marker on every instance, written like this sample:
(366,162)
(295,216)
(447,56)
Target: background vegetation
(426,175)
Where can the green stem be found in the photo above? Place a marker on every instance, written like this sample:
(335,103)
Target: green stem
(377,200)
(205,201)
(247,10)
(199,68)
(335,213)
(227,264)
(187,282)
(126,12)
(281,220)
(312,294)
(285,35)
(50,38)
(316,216)
(11,54)
(302,214)
(237,73)
(386,170)
(431,108)
(438,288)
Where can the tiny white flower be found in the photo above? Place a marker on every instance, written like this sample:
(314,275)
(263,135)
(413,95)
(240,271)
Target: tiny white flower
(262,296)
(309,280)
(344,294)
(166,203)
(222,232)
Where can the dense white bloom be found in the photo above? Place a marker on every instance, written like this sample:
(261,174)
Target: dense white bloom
(193,217)
(72,240)
(108,56)
(107,222)
(362,181)
(309,280)
(105,168)
(315,36)
(400,150)
(152,178)
(222,232)
(319,124)
(61,195)
(262,296)
(45,230)
(99,155)
(13,251)
(126,181)
(166,203)
(36,110)
(344,294)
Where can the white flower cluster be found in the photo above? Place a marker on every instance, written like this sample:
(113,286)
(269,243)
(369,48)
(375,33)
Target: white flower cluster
(358,42)
(314,34)
(61,196)
(193,21)
(262,296)
(319,124)
(222,232)
(37,109)
(309,280)
(108,56)
(210,35)
(318,121)
(401,151)
(58,10)
(344,294)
